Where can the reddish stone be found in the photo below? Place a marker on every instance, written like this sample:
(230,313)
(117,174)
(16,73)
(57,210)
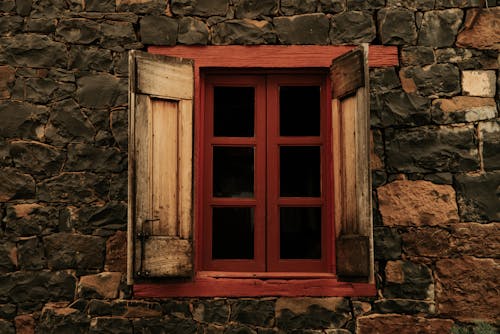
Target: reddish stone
(401,324)
(105,284)
(484,33)
(417,203)
(467,288)
(7,76)
(25,324)
(116,252)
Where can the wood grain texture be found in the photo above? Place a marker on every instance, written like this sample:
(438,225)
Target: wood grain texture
(347,73)
(274,56)
(185,170)
(167,257)
(246,287)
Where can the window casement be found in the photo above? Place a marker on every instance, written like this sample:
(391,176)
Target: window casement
(234,189)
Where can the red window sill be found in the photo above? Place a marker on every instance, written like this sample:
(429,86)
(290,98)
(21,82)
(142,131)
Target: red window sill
(209,284)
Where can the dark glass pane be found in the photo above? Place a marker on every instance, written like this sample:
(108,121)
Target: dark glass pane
(299,111)
(233,171)
(232,236)
(300,171)
(300,233)
(234,111)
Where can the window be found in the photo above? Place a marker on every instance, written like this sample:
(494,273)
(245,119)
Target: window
(266,174)
(181,228)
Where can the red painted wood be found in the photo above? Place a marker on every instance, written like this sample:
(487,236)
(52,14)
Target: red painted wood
(269,56)
(246,287)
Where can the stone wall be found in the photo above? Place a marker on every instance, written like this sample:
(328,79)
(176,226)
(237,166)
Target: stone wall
(63,160)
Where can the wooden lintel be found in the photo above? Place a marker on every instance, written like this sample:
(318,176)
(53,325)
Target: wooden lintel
(274,56)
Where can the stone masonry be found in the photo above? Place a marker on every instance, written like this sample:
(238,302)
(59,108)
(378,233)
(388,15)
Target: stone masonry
(63,163)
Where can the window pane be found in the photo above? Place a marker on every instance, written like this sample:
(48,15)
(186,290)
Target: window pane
(232,233)
(300,233)
(233,171)
(300,171)
(299,111)
(234,111)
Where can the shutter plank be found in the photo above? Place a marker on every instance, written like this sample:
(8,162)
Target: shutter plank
(185,170)
(167,256)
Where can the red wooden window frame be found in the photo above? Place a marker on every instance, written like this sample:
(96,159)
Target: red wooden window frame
(240,284)
(266,201)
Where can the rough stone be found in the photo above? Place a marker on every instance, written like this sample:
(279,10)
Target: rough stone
(477,196)
(37,286)
(66,250)
(466,288)
(352,27)
(118,187)
(6,327)
(118,36)
(41,25)
(68,123)
(98,219)
(172,325)
(402,109)
(98,307)
(295,7)
(157,7)
(377,150)
(239,329)
(82,157)
(252,9)
(213,311)
(409,280)
(8,256)
(110,325)
(417,203)
(120,63)
(460,109)
(57,318)
(434,80)
(10,25)
(31,254)
(404,306)
(23,7)
(136,309)
(365,4)
(7,6)
(440,27)
(22,120)
(15,185)
(302,29)
(199,7)
(396,26)
(7,311)
(7,78)
(417,56)
(490,133)
(387,243)
(457,239)
(423,5)
(36,158)
(253,312)
(29,219)
(78,31)
(102,285)
(383,79)
(332,6)
(479,83)
(90,58)
(192,31)
(469,59)
(395,324)
(311,313)
(483,34)
(247,32)
(25,324)
(71,187)
(101,91)
(158,30)
(100,5)
(432,149)
(41,90)
(116,252)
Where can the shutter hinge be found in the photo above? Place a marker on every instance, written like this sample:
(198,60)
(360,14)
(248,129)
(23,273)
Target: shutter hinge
(143,236)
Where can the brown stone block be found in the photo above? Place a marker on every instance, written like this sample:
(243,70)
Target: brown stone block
(7,77)
(116,252)
(483,31)
(25,324)
(467,288)
(417,203)
(401,324)
(104,284)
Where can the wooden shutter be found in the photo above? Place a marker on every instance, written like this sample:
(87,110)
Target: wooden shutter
(160,166)
(352,178)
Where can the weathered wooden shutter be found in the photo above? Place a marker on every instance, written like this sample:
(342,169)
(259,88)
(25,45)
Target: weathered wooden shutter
(160,166)
(352,178)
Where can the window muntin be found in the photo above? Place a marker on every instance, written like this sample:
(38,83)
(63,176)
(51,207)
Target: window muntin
(289,206)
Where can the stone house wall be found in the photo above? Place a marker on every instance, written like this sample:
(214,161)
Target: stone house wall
(63,160)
